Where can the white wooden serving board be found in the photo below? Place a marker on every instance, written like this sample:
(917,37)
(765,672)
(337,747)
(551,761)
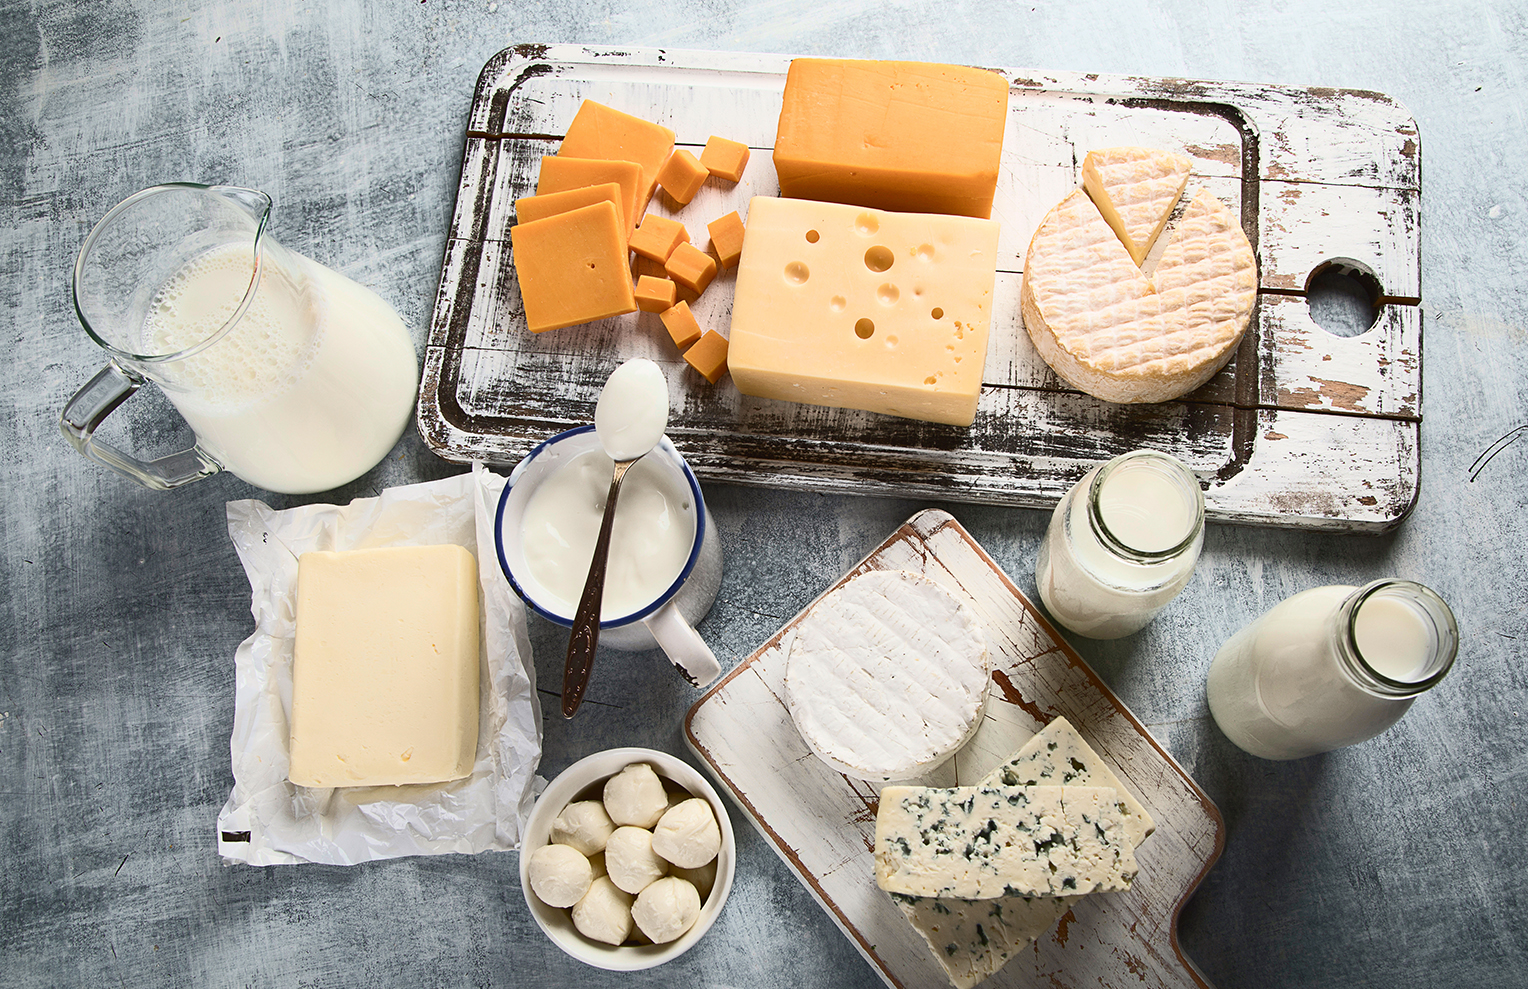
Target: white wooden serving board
(1301,429)
(822,824)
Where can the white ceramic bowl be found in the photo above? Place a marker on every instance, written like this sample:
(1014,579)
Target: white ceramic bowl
(585,780)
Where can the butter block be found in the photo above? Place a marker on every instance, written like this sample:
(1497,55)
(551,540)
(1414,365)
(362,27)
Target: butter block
(599,131)
(863,309)
(904,136)
(385,670)
(572,267)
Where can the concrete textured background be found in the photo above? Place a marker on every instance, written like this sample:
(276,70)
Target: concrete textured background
(1396,863)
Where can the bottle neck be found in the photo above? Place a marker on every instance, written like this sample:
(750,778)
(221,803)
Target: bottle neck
(1146,508)
(1395,638)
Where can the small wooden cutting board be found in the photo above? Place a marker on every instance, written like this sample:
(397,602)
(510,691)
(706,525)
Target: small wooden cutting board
(822,824)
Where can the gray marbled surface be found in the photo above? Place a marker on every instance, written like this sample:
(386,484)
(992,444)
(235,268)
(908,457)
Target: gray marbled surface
(1397,863)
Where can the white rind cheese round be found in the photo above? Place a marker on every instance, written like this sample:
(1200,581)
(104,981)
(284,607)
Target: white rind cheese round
(887,676)
(1110,330)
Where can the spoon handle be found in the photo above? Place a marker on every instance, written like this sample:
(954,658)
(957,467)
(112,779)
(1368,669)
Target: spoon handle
(586,620)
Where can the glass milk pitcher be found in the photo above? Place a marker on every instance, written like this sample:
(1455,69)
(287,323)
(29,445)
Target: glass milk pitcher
(1330,667)
(292,376)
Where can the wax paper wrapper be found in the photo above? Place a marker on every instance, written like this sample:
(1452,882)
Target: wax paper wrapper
(269,820)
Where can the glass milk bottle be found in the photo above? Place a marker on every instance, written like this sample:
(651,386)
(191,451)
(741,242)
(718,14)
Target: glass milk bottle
(1330,666)
(1121,544)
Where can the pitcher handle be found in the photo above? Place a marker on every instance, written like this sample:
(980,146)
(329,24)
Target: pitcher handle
(685,648)
(90,406)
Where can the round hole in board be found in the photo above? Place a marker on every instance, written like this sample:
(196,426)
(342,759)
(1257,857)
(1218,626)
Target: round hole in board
(888,294)
(879,258)
(813,236)
(838,303)
(796,273)
(1343,296)
(937,313)
(866,225)
(864,329)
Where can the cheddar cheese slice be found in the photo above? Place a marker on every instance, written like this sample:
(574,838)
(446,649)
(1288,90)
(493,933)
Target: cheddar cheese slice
(599,131)
(559,174)
(1135,189)
(1111,331)
(572,267)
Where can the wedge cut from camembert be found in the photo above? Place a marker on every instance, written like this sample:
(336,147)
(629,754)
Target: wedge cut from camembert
(1109,329)
(887,676)
(1135,189)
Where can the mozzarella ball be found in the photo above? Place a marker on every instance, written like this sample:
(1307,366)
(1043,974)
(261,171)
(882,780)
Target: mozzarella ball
(584,825)
(630,860)
(666,909)
(702,878)
(560,875)
(688,835)
(604,914)
(635,796)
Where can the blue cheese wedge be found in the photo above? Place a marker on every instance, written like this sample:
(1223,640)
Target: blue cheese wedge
(979,843)
(973,939)
(887,676)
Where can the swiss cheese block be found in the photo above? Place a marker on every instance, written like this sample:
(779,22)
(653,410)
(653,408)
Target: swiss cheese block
(863,309)
(1135,189)
(887,676)
(1110,330)
(904,136)
(979,843)
(572,267)
(599,131)
(972,939)
(385,668)
(559,174)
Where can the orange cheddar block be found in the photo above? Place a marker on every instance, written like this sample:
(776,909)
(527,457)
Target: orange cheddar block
(657,237)
(540,207)
(709,356)
(725,159)
(597,131)
(560,174)
(682,176)
(572,267)
(655,294)
(727,238)
(691,267)
(913,137)
(681,325)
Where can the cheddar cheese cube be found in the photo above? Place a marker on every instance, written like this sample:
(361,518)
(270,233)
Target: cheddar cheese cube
(681,325)
(727,238)
(572,267)
(691,267)
(709,356)
(902,136)
(657,237)
(682,176)
(725,159)
(655,294)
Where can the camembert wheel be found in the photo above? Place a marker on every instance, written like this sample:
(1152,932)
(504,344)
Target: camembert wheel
(1118,333)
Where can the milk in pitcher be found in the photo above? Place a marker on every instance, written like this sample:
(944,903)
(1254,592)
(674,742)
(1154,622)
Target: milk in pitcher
(309,389)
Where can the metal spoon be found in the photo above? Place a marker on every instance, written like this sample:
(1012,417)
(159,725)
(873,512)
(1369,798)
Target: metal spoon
(629,419)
